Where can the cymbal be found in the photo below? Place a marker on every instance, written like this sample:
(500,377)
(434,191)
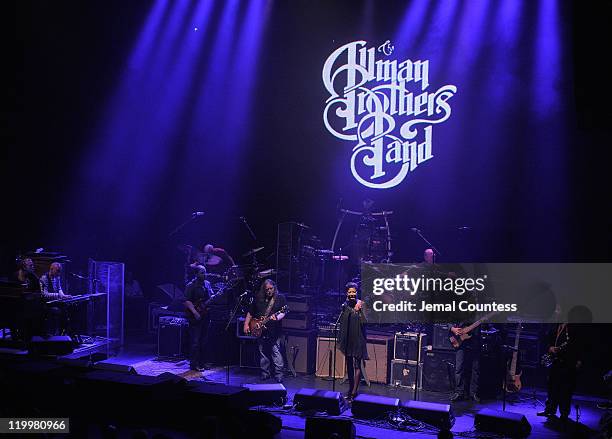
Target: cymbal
(185,248)
(340,258)
(252,252)
(265,273)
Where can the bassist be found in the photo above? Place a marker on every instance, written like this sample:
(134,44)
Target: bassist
(467,364)
(268,301)
(197,293)
(563,343)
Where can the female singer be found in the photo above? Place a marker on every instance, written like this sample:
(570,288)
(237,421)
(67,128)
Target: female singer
(352,338)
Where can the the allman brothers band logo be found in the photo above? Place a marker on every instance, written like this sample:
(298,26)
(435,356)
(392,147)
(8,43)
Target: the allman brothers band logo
(368,97)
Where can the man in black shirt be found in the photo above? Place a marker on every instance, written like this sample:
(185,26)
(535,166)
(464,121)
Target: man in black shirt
(267,302)
(197,293)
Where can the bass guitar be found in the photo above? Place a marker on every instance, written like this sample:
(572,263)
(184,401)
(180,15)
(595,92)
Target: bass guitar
(258,325)
(513,380)
(201,306)
(457,340)
(549,358)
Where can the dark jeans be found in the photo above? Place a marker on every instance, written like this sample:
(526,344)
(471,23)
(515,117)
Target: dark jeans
(467,370)
(271,357)
(198,334)
(561,384)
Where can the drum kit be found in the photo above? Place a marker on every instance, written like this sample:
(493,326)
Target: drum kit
(248,276)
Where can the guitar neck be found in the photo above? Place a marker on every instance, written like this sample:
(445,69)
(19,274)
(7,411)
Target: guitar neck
(478,322)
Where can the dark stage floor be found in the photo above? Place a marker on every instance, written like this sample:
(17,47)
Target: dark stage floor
(145,363)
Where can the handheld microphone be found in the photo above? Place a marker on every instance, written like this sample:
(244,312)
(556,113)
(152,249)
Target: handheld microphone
(197,214)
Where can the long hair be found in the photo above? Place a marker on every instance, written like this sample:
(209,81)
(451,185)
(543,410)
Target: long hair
(261,294)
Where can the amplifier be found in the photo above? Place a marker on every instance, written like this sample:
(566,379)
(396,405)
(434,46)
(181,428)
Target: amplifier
(299,302)
(529,348)
(406,345)
(156,311)
(440,338)
(439,370)
(172,337)
(404,374)
(379,364)
(297,320)
(325,352)
(301,348)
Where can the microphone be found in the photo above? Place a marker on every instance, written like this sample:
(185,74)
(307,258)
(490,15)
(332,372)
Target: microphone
(194,214)
(414,229)
(78,276)
(463,228)
(243,294)
(302,225)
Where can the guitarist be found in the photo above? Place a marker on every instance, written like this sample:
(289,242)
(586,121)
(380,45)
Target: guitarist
(198,291)
(267,302)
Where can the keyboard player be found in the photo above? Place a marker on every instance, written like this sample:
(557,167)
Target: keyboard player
(51,289)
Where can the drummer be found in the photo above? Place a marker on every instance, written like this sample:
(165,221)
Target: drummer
(216,260)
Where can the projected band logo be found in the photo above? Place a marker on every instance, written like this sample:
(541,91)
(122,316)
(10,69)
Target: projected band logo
(384,107)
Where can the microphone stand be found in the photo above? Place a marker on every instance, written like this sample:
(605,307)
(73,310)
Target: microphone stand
(227,356)
(246,224)
(436,251)
(180,226)
(335,346)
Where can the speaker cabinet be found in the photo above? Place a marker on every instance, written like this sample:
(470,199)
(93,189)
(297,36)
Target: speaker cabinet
(172,337)
(439,371)
(297,320)
(406,345)
(300,348)
(249,354)
(266,394)
(378,367)
(405,373)
(325,352)
(508,424)
(440,339)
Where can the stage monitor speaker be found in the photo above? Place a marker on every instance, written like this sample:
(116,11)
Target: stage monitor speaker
(508,424)
(439,371)
(325,352)
(378,367)
(329,427)
(55,345)
(438,415)
(115,367)
(319,400)
(373,406)
(266,394)
(440,338)
(300,348)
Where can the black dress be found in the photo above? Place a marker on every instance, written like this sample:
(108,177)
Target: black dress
(352,337)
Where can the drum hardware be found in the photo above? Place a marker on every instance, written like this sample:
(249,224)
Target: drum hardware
(252,251)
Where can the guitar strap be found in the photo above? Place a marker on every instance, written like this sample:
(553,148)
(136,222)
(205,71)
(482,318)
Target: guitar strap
(269,308)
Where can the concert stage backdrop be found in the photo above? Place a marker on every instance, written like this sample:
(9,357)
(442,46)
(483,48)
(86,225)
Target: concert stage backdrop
(461,117)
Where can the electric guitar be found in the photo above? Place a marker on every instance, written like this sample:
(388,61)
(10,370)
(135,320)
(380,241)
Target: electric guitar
(513,380)
(457,340)
(257,326)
